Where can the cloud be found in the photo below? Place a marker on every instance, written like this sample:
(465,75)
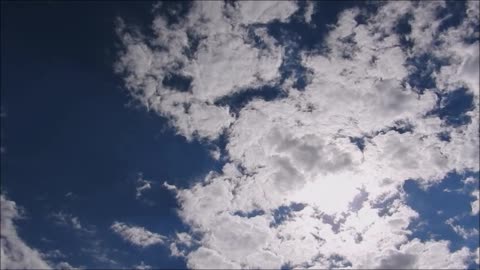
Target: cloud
(205,258)
(142,266)
(142,185)
(56,254)
(68,220)
(463,232)
(264,11)
(309,11)
(65,266)
(15,253)
(221,37)
(138,236)
(356,133)
(181,242)
(476,203)
(429,255)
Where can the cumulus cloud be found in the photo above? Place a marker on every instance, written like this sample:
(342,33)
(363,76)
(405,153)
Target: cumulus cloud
(15,253)
(222,38)
(136,235)
(331,159)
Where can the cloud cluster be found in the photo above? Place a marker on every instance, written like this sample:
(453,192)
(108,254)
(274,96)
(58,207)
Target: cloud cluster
(200,50)
(313,179)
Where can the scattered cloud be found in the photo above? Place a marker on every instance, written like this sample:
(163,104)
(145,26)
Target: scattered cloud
(100,253)
(142,266)
(358,130)
(142,185)
(216,154)
(180,243)
(55,254)
(138,236)
(68,220)
(66,266)
(463,232)
(169,187)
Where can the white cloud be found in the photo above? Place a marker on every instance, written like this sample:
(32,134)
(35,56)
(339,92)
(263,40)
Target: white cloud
(138,236)
(309,11)
(205,258)
(68,220)
(463,232)
(264,11)
(223,40)
(142,266)
(169,187)
(180,242)
(215,153)
(56,254)
(142,185)
(428,255)
(298,149)
(65,266)
(15,253)
(476,203)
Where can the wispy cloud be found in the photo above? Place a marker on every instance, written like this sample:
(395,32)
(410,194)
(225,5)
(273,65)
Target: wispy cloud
(142,185)
(68,220)
(463,232)
(136,235)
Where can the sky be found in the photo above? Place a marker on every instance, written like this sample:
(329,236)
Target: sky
(240,134)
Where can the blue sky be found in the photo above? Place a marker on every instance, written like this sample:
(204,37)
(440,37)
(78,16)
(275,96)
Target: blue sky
(240,134)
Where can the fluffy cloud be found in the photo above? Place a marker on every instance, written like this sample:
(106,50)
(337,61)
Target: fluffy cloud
(15,253)
(138,236)
(313,179)
(222,38)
